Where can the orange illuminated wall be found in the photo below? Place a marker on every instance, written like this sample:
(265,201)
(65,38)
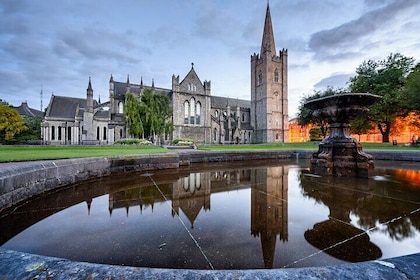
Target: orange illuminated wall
(402,131)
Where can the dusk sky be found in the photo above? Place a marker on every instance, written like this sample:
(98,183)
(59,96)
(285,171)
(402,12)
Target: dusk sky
(56,45)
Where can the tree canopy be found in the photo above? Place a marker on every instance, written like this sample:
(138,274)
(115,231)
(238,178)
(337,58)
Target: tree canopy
(11,123)
(149,117)
(305,117)
(385,78)
(412,90)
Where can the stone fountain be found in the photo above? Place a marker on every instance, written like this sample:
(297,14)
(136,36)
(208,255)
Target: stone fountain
(339,154)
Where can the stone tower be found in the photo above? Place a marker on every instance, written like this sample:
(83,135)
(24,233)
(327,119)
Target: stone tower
(88,132)
(269,106)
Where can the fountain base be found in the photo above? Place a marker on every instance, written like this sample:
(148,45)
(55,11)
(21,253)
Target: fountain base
(342,157)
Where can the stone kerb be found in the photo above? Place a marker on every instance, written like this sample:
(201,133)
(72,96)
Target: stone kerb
(21,181)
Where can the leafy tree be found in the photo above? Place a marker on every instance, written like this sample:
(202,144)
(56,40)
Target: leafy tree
(150,117)
(387,79)
(34,129)
(316,134)
(305,115)
(11,124)
(157,113)
(361,125)
(412,90)
(133,120)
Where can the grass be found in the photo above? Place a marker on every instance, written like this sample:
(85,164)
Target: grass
(29,153)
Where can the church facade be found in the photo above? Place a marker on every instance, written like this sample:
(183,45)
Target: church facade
(197,114)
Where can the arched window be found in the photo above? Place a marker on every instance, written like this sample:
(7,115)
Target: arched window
(52,132)
(104,133)
(97,133)
(198,113)
(243,117)
(59,133)
(277,136)
(121,133)
(260,78)
(192,110)
(69,133)
(216,114)
(276,76)
(215,135)
(120,107)
(186,111)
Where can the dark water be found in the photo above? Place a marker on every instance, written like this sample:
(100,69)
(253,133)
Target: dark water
(224,216)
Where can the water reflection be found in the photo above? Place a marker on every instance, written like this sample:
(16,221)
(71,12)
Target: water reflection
(337,236)
(264,216)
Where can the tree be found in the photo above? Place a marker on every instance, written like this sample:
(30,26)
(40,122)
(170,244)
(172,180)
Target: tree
(133,120)
(361,125)
(412,90)
(11,124)
(157,114)
(150,117)
(385,78)
(305,116)
(34,130)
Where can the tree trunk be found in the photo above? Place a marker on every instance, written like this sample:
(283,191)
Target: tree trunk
(385,129)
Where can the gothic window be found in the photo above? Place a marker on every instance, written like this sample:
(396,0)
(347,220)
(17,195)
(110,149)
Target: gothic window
(276,76)
(277,136)
(243,117)
(121,133)
(69,133)
(198,113)
(215,135)
(216,113)
(59,133)
(97,133)
(197,181)
(120,107)
(260,78)
(52,132)
(192,87)
(186,111)
(104,133)
(192,111)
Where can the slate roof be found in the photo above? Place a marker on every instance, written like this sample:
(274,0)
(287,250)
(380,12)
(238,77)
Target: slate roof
(66,107)
(221,102)
(121,88)
(25,110)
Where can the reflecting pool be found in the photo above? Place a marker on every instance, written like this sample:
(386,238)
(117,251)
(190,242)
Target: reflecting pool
(246,215)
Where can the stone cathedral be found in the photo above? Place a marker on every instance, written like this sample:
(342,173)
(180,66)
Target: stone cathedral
(197,114)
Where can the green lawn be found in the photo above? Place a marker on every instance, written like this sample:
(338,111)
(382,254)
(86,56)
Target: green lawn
(27,153)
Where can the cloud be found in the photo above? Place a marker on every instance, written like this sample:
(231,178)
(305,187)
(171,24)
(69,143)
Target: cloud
(328,44)
(336,80)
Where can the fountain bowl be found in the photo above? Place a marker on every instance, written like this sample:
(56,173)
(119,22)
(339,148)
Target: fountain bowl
(339,154)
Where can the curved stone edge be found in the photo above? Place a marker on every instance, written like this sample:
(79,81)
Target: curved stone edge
(17,265)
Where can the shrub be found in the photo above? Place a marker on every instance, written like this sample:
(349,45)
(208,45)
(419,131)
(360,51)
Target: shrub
(183,142)
(132,142)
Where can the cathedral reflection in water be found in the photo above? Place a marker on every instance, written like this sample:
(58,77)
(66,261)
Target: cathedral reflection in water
(191,194)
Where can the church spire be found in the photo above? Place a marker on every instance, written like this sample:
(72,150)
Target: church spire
(268,36)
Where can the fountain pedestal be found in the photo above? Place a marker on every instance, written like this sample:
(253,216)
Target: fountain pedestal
(339,154)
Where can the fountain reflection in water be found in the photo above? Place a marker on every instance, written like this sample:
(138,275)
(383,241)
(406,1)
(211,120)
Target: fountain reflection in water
(270,215)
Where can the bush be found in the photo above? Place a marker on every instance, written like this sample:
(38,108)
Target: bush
(183,142)
(132,142)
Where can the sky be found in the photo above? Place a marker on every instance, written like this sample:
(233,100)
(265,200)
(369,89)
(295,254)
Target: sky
(54,46)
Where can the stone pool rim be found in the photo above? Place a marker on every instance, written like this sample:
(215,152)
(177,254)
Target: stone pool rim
(22,180)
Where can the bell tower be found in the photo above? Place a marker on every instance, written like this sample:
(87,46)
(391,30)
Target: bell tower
(269,101)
